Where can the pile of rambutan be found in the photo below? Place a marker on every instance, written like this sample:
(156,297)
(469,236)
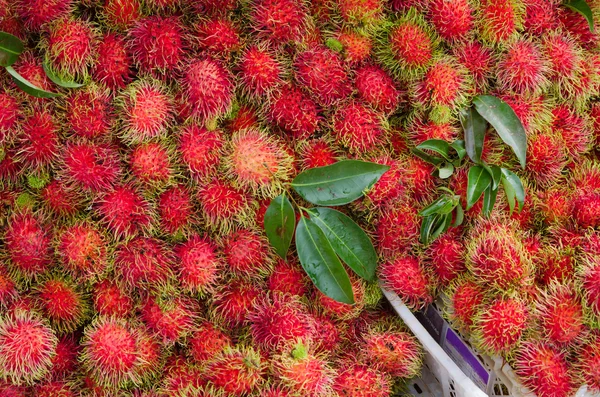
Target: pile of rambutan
(133,259)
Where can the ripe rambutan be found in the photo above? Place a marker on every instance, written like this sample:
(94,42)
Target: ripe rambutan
(39,140)
(246,252)
(322,72)
(534,111)
(294,112)
(121,14)
(59,199)
(465,299)
(544,370)
(444,84)
(407,278)
(540,17)
(595,117)
(589,274)
(304,372)
(199,264)
(420,130)
(275,391)
(220,37)
(343,311)
(113,65)
(245,117)
(237,371)
(157,44)
(234,301)
(397,230)
(206,342)
(500,20)
(27,242)
(452,19)
(62,303)
(8,288)
(574,130)
(446,255)
(546,158)
(357,47)
(88,113)
(175,209)
(358,127)
(564,58)
(30,67)
(396,353)
(200,149)
(124,211)
(499,325)
(36,13)
(317,153)
(585,177)
(223,205)
(146,111)
(10,114)
(360,11)
(111,300)
(64,362)
(27,346)
(477,59)
(522,68)
(259,71)
(588,364)
(92,167)
(208,88)
(577,25)
(560,315)
(287,278)
(359,380)
(586,209)
(151,163)
(279,21)
(169,318)
(71,47)
(53,389)
(83,251)
(144,261)
(419,179)
(213,7)
(389,187)
(377,88)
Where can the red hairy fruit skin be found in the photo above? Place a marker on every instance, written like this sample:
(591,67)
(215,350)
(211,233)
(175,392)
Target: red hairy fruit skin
(170,319)
(9,390)
(287,278)
(359,380)
(533,110)
(327,334)
(343,311)
(588,363)
(465,299)
(595,118)
(27,346)
(395,353)
(544,370)
(358,127)
(91,167)
(124,211)
(71,46)
(499,326)
(206,342)
(208,87)
(62,304)
(83,251)
(39,139)
(279,21)
(144,261)
(10,114)
(477,59)
(27,242)
(246,252)
(237,371)
(223,205)
(377,88)
(219,37)
(111,300)
(317,153)
(555,264)
(322,72)
(59,199)
(245,117)
(280,321)
(447,256)
(199,264)
(275,391)
(157,44)
(522,68)
(411,45)
(52,389)
(452,19)
(407,278)
(234,300)
(360,11)
(121,14)
(88,113)
(36,13)
(357,47)
(8,287)
(214,7)
(564,58)
(419,179)
(65,361)
(113,65)
(30,67)
(175,209)
(577,25)
(586,209)
(200,149)
(541,17)
(586,177)
(396,231)
(546,158)
(182,377)
(555,204)
(499,20)
(151,163)
(304,372)
(590,277)
(560,314)
(444,84)
(146,111)
(421,130)
(259,71)
(389,187)
(294,112)
(574,130)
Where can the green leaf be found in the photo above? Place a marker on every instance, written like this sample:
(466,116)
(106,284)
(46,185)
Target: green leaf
(506,123)
(427,227)
(320,262)
(489,199)
(459,215)
(348,240)
(10,49)
(495,172)
(584,9)
(442,224)
(459,146)
(58,80)
(442,205)
(425,157)
(513,187)
(478,180)
(334,45)
(434,225)
(446,170)
(439,146)
(474,126)
(280,220)
(339,183)
(28,87)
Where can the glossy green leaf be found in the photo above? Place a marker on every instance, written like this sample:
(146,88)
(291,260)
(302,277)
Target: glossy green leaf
(489,199)
(280,220)
(27,87)
(438,146)
(474,126)
(427,226)
(442,225)
(513,187)
(506,123)
(58,80)
(584,9)
(348,240)
(425,157)
(320,262)
(442,205)
(339,183)
(478,180)
(495,172)
(459,215)
(10,49)
(433,226)
(459,147)
(445,171)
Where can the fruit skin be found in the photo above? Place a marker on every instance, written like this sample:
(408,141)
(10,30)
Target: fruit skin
(62,303)
(444,84)
(377,88)
(124,211)
(464,299)
(39,140)
(394,352)
(452,19)
(589,277)
(446,254)
(406,277)
(546,158)
(27,242)
(37,13)
(247,252)
(206,342)
(500,324)
(200,149)
(10,114)
(144,262)
(358,127)
(237,371)
(111,300)
(294,112)
(560,314)
(357,46)
(169,318)
(71,47)
(588,364)
(260,71)
(114,61)
(121,14)
(279,21)
(233,301)
(91,167)
(224,206)
(358,380)
(219,37)
(8,290)
(499,20)
(396,230)
(317,153)
(522,68)
(151,164)
(586,209)
(199,264)
(360,12)
(478,59)
(175,209)
(89,113)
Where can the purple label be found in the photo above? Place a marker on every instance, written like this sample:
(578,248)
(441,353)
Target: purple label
(469,358)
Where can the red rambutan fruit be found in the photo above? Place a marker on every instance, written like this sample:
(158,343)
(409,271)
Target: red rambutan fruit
(244,118)
(8,390)
(279,21)
(444,84)
(144,261)
(540,17)
(377,88)
(574,130)
(421,130)
(199,264)
(259,71)
(446,255)
(397,230)
(358,380)
(522,68)
(327,334)
(30,67)
(389,187)
(595,117)
(223,205)
(589,274)
(358,127)
(465,299)
(146,111)
(554,263)
(36,13)
(343,311)
(169,318)
(546,158)
(287,278)
(499,326)
(220,37)
(322,72)
(246,252)
(477,59)
(452,19)
(395,353)
(113,65)
(304,372)
(10,114)
(275,391)
(151,163)
(418,178)
(213,7)
(577,25)
(206,342)
(93,167)
(586,209)
(294,112)
(357,47)
(64,362)
(83,251)
(121,14)
(39,139)
(27,242)
(588,364)
(407,278)
(62,303)
(208,88)
(111,300)
(157,44)
(27,346)
(237,371)
(560,314)
(233,302)
(162,5)
(53,389)
(59,199)
(499,20)
(360,11)
(175,209)
(564,58)
(585,177)
(544,370)
(534,111)
(8,288)
(124,211)
(554,205)
(71,46)
(317,153)
(200,149)
(88,113)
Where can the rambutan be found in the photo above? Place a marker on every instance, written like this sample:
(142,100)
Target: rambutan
(8,288)
(540,17)
(499,20)
(223,205)
(477,59)
(175,209)
(151,163)
(357,46)
(574,130)
(499,325)
(113,65)
(555,263)
(317,153)
(169,318)
(144,261)
(121,14)
(200,149)
(303,371)
(36,13)
(420,130)
(27,242)
(589,274)
(419,179)
(343,311)
(577,25)
(377,88)
(522,68)
(396,353)
(259,71)
(71,47)
(208,87)
(234,301)
(124,211)
(157,44)
(199,264)
(64,362)
(111,300)
(564,58)
(588,364)
(559,312)
(88,113)
(585,177)
(53,389)
(407,278)
(279,21)
(206,342)
(93,167)
(30,67)
(544,370)
(83,251)
(586,209)
(452,19)
(246,252)
(465,299)
(39,139)
(389,187)
(546,158)
(444,84)
(27,346)
(534,111)
(287,278)
(237,371)
(275,391)
(294,112)
(327,334)
(62,303)
(245,117)
(358,127)
(59,199)
(360,11)
(359,380)
(595,117)
(396,230)
(322,72)
(10,114)
(446,255)
(220,37)
(213,7)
